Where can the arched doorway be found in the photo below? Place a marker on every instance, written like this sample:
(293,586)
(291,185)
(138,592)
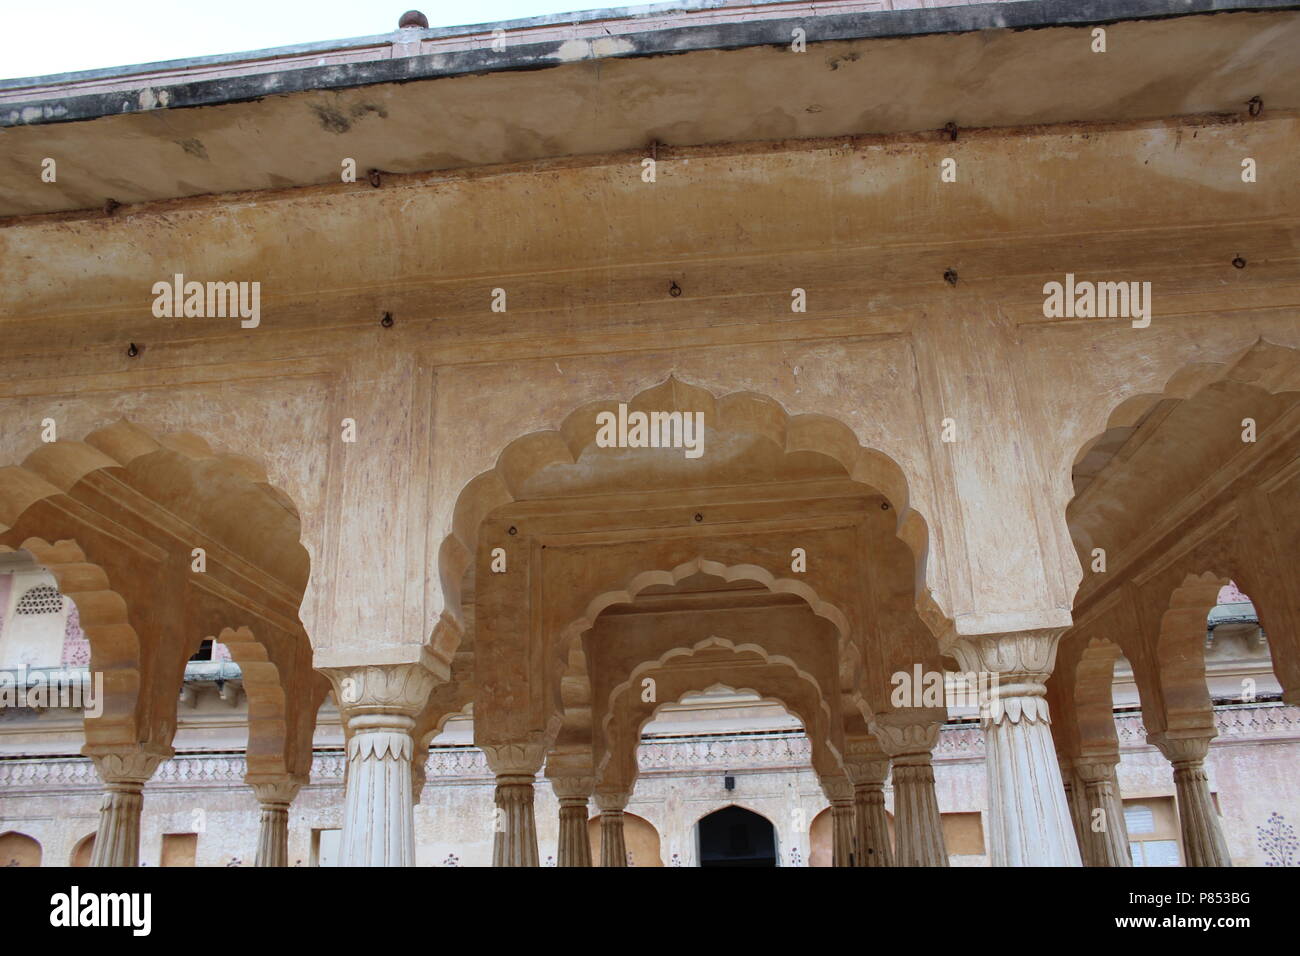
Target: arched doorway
(18,849)
(734,836)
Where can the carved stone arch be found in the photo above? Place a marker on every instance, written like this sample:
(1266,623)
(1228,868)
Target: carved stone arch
(1180,655)
(139,502)
(282,707)
(115,648)
(1094,702)
(627,592)
(615,754)
(743,412)
(1271,368)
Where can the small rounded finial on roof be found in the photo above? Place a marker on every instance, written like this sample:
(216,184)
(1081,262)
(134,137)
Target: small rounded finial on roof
(413,18)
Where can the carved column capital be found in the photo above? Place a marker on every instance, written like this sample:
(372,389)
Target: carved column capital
(612,801)
(127,767)
(515,758)
(906,734)
(1018,664)
(867,772)
(1183,748)
(573,788)
(381,696)
(837,789)
(275,788)
(1095,769)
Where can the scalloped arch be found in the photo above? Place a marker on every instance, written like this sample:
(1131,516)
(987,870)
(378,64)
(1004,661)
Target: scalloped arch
(1180,650)
(1264,365)
(114,643)
(816,725)
(267,704)
(742,412)
(699,564)
(54,468)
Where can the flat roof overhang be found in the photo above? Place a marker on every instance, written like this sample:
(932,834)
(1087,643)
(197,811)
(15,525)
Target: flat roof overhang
(154,133)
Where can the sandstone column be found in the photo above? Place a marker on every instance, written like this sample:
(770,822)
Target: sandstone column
(1105,836)
(1203,841)
(124,772)
(909,738)
(1028,813)
(868,777)
(574,794)
(613,848)
(839,791)
(275,794)
(1076,800)
(378,704)
(515,765)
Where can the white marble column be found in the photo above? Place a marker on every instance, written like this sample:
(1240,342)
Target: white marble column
(574,794)
(839,791)
(909,738)
(1105,834)
(872,845)
(379,704)
(613,847)
(275,795)
(1028,813)
(1203,842)
(124,772)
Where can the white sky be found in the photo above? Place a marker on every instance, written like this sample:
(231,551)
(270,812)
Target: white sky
(39,37)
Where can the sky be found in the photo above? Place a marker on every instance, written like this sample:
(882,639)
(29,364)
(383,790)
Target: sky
(39,37)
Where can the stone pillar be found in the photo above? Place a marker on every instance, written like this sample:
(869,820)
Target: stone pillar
(378,704)
(275,794)
(124,772)
(839,791)
(514,841)
(574,794)
(613,848)
(1203,842)
(909,738)
(1028,813)
(868,779)
(1105,835)
(1076,800)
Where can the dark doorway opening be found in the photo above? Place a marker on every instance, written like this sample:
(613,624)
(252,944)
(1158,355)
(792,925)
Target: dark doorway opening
(734,836)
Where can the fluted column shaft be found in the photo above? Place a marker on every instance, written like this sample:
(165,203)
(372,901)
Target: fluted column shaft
(867,767)
(124,772)
(117,841)
(575,846)
(1030,821)
(613,845)
(515,842)
(1203,841)
(873,826)
(379,704)
(1105,834)
(909,736)
(1076,799)
(917,824)
(844,825)
(573,782)
(273,835)
(275,795)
